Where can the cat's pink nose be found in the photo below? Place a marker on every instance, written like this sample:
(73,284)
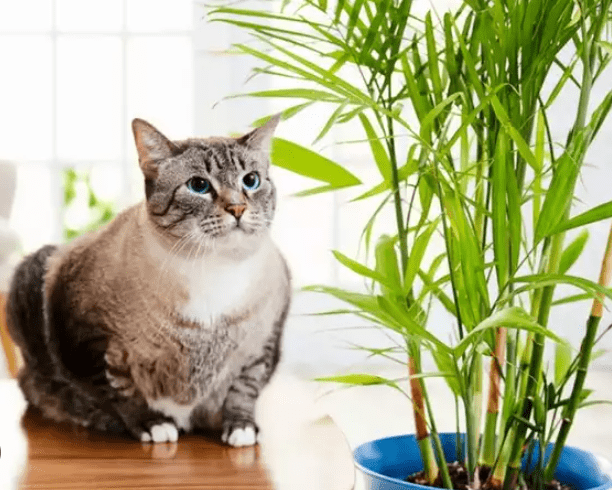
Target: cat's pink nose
(237,210)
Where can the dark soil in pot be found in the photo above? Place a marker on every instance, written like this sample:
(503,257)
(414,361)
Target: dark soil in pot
(459,479)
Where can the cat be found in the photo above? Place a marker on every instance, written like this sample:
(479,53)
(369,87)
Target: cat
(170,317)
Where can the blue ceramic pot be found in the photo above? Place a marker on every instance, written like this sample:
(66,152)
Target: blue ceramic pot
(385,463)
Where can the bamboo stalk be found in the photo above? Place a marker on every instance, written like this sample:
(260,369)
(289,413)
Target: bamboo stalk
(489,447)
(586,349)
(510,379)
(437,444)
(430,466)
(477,384)
(535,367)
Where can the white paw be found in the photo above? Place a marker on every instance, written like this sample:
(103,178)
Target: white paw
(240,437)
(165,432)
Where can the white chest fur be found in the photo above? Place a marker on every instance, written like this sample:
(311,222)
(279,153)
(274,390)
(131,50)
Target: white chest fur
(220,285)
(223,280)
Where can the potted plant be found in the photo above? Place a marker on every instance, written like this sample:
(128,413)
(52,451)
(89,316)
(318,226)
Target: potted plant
(455,108)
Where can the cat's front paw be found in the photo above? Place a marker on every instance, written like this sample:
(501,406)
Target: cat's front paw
(239,434)
(163,432)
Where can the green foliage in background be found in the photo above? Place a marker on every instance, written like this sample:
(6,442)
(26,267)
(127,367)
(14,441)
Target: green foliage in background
(455,110)
(100,211)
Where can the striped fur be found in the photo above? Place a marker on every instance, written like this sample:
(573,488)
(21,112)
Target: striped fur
(171,314)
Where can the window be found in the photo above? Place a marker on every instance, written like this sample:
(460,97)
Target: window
(74,75)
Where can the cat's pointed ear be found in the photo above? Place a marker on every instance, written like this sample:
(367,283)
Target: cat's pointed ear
(261,138)
(152,147)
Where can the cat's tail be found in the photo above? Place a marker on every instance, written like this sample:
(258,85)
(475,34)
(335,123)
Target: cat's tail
(41,379)
(25,311)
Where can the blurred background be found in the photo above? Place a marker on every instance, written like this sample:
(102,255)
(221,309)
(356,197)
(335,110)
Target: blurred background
(74,75)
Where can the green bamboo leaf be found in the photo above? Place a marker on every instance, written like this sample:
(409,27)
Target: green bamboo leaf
(573,251)
(466,257)
(331,121)
(365,302)
(432,58)
(410,327)
(607,46)
(295,93)
(577,297)
(567,169)
(558,197)
(353,18)
(498,206)
(514,216)
(584,394)
(339,8)
(344,311)
(387,264)
(312,72)
(567,75)
(426,194)
(563,360)
(446,364)
(539,161)
(374,30)
(436,290)
(433,114)
(308,71)
(358,380)
(598,213)
(378,151)
(417,252)
(271,31)
(252,13)
(595,402)
(468,59)
(402,174)
(467,121)
(449,50)
(369,307)
(303,161)
(364,271)
(316,190)
(366,234)
(512,317)
(537,281)
(511,131)
(419,103)
(347,116)
(285,114)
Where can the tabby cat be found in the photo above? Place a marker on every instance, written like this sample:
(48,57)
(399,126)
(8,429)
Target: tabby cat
(170,317)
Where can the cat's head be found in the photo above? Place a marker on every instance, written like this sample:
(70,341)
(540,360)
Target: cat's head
(207,190)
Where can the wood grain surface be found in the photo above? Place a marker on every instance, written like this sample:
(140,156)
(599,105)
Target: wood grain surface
(61,457)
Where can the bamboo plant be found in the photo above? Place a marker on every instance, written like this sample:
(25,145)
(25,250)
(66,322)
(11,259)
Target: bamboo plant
(455,109)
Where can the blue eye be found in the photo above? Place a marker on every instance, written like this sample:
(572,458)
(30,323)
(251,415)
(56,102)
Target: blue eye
(251,181)
(198,185)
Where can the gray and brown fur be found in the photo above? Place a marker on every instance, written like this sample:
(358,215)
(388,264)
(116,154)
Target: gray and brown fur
(117,325)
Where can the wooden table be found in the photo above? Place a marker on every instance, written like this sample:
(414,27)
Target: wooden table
(64,458)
